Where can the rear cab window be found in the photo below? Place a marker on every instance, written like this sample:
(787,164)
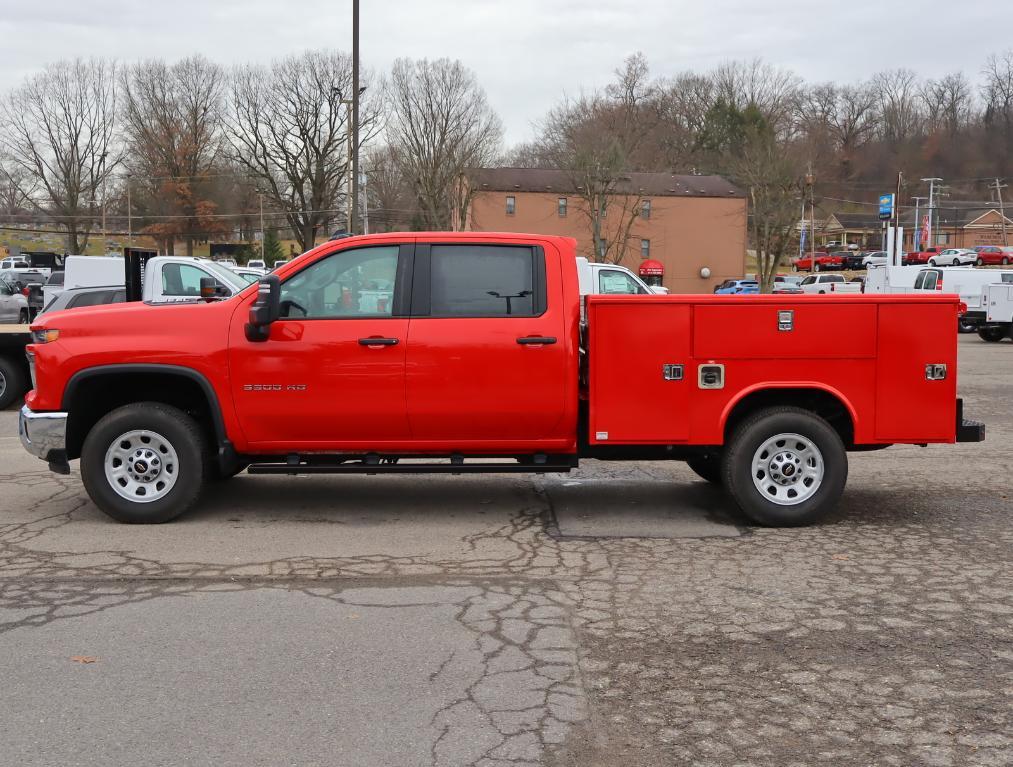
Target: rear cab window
(478,280)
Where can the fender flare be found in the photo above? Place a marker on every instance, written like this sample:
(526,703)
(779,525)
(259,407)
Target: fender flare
(225,453)
(813,385)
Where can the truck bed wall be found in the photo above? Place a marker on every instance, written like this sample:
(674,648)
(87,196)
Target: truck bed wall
(869,352)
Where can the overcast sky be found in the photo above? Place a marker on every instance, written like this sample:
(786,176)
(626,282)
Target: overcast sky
(527,53)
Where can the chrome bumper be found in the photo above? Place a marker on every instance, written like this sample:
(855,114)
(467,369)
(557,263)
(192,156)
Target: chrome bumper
(44,435)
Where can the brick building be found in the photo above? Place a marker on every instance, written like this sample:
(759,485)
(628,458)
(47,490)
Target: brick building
(684,226)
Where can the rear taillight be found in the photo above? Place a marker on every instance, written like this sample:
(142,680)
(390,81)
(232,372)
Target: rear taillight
(939,284)
(961,309)
(25,291)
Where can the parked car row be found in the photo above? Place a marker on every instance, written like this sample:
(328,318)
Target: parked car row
(982,255)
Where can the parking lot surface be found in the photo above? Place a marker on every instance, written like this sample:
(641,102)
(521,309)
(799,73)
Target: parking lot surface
(618,615)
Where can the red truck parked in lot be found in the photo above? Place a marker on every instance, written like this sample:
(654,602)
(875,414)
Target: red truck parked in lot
(818,262)
(466,352)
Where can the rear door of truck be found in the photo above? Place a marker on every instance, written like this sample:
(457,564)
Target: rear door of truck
(487,356)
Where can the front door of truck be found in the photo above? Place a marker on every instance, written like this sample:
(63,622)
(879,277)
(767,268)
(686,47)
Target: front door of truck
(487,357)
(331,375)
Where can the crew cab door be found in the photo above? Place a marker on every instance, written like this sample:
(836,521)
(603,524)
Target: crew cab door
(331,374)
(487,354)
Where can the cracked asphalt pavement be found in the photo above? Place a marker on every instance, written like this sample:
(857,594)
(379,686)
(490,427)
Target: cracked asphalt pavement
(618,615)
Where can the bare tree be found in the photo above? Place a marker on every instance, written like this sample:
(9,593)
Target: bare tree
(594,141)
(948,103)
(756,83)
(173,124)
(392,201)
(897,94)
(771,173)
(289,129)
(61,131)
(439,126)
(16,188)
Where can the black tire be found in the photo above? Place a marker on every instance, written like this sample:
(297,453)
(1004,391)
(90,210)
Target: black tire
(992,334)
(13,382)
(980,262)
(964,327)
(749,437)
(1005,261)
(177,428)
(956,262)
(24,317)
(816,267)
(707,466)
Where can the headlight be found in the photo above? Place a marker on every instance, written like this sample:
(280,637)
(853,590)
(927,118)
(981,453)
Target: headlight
(45,336)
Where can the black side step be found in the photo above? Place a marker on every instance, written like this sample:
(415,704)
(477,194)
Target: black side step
(457,466)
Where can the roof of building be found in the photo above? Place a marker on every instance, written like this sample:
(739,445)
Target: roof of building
(647,184)
(957,212)
(858,220)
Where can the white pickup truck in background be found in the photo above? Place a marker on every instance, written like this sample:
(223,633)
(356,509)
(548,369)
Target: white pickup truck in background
(829,283)
(595,278)
(166,278)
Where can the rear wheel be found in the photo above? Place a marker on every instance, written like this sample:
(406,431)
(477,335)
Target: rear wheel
(144,463)
(23,318)
(12,382)
(785,467)
(1005,260)
(816,267)
(991,334)
(707,466)
(956,262)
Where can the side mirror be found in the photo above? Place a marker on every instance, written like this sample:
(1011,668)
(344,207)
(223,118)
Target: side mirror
(265,310)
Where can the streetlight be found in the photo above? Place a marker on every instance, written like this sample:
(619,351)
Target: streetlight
(130,215)
(350,193)
(260,193)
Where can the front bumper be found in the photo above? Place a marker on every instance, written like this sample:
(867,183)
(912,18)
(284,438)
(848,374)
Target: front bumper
(44,435)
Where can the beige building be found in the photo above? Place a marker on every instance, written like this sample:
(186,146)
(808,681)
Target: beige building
(688,233)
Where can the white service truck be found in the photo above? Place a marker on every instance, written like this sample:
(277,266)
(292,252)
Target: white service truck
(997,306)
(595,278)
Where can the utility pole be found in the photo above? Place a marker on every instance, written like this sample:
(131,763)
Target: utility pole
(898,241)
(932,203)
(916,240)
(365,205)
(130,216)
(355,115)
(260,194)
(811,180)
(997,187)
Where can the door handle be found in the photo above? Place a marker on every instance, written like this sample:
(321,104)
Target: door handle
(539,340)
(377,341)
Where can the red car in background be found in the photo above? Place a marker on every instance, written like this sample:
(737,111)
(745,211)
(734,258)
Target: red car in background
(994,254)
(920,256)
(818,262)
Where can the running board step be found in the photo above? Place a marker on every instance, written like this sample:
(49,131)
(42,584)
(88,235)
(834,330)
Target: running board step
(409,468)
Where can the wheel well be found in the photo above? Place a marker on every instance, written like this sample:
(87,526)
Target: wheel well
(818,401)
(91,397)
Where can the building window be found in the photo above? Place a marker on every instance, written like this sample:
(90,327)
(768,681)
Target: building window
(645,248)
(942,238)
(561,207)
(511,205)
(645,209)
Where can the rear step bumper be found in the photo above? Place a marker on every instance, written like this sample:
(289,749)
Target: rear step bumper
(968,431)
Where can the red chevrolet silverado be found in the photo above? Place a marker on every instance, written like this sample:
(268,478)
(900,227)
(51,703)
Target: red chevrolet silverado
(466,352)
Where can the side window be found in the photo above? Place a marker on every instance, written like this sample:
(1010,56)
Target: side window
(5,289)
(486,281)
(930,280)
(91,298)
(1007,278)
(809,280)
(920,281)
(182,280)
(358,282)
(614,281)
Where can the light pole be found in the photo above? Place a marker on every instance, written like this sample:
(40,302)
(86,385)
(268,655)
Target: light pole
(932,203)
(260,193)
(130,216)
(355,113)
(348,171)
(916,240)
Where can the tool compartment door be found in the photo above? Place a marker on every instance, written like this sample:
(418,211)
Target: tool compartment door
(631,342)
(910,408)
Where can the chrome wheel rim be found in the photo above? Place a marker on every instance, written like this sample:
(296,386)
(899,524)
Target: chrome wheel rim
(3,383)
(788,469)
(141,466)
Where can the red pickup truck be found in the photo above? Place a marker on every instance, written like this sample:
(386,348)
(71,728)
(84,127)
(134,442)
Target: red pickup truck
(466,352)
(818,262)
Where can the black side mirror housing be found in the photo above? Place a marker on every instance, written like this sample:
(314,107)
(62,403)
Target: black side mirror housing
(265,310)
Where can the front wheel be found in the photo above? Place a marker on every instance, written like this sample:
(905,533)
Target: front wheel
(991,334)
(1005,260)
(956,262)
(144,463)
(785,467)
(816,267)
(932,262)
(13,382)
